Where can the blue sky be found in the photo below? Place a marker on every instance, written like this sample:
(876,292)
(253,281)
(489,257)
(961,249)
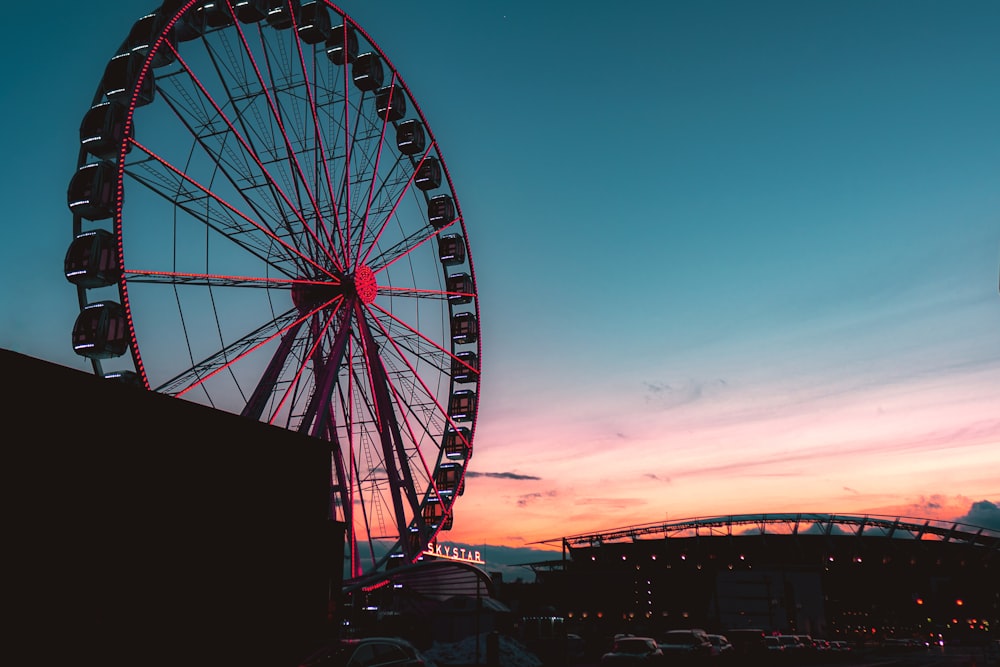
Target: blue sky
(731,256)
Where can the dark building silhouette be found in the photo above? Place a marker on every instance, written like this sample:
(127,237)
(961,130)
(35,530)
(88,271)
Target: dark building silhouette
(144,529)
(830,576)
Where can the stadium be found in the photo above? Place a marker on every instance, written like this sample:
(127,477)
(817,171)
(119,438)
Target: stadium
(855,578)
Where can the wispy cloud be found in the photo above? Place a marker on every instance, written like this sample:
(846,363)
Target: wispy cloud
(665,395)
(528,498)
(503,475)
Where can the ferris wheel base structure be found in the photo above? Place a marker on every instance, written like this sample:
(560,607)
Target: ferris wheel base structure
(146,529)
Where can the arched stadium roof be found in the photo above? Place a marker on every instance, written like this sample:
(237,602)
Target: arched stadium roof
(886,526)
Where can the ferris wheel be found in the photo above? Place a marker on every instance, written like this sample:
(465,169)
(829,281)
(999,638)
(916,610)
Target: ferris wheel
(263,223)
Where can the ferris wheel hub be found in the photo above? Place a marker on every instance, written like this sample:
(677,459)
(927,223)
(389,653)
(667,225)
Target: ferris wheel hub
(365,284)
(308,294)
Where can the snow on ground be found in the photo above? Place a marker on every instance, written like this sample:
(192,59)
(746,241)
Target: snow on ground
(512,653)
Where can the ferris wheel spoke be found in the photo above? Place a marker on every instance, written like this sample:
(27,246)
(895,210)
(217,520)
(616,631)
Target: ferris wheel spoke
(431,394)
(400,249)
(265,386)
(328,97)
(415,241)
(292,156)
(366,145)
(250,151)
(398,381)
(192,377)
(374,173)
(176,278)
(411,292)
(405,408)
(364,422)
(326,370)
(392,211)
(343,481)
(234,352)
(300,181)
(293,251)
(366,490)
(356,443)
(391,190)
(395,460)
(345,193)
(319,150)
(237,172)
(447,354)
(202,206)
(365,142)
(317,336)
(346,190)
(208,127)
(259,144)
(417,349)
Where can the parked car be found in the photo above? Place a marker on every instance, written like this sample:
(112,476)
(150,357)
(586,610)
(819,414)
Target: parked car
(629,650)
(367,652)
(839,645)
(792,643)
(685,646)
(773,644)
(721,646)
(904,644)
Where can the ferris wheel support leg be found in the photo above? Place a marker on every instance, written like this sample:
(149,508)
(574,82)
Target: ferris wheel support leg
(265,386)
(327,371)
